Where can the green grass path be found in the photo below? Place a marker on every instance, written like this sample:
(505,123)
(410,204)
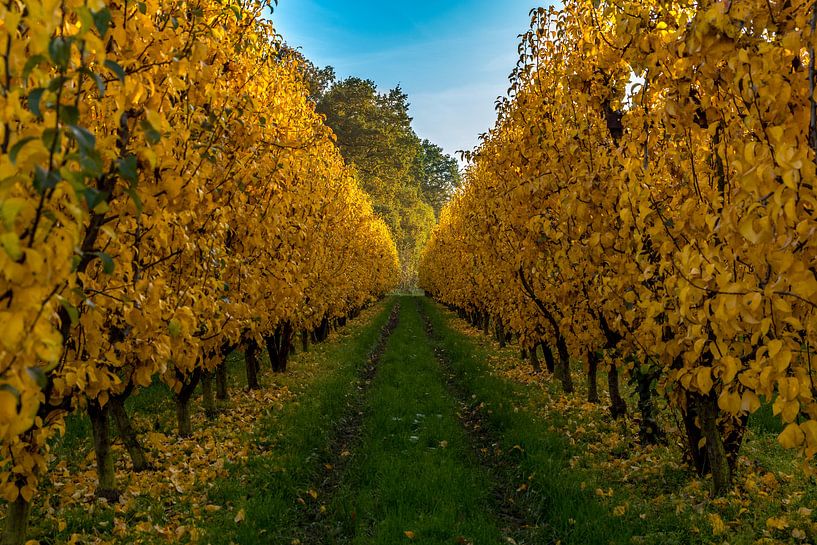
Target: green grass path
(388,460)
(298,442)
(414,474)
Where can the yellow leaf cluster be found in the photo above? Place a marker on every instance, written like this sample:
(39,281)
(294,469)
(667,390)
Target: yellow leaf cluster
(166,192)
(649,188)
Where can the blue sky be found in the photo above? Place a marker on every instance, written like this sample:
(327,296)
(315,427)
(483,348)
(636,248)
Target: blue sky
(451,57)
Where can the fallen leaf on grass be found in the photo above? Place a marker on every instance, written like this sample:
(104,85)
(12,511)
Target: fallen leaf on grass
(239,518)
(409,534)
(776,523)
(718,526)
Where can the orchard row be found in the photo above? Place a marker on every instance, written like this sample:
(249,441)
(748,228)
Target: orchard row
(167,194)
(646,202)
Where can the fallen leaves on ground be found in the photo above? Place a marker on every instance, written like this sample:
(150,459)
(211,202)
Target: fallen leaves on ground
(771,503)
(169,503)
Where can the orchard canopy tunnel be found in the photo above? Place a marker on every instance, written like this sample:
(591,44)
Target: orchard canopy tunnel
(165,212)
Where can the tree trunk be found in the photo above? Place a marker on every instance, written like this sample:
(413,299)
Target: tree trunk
(534,360)
(649,431)
(208,396)
(550,362)
(305,341)
(251,365)
(105,470)
(486,323)
(221,382)
(700,460)
(183,404)
(563,372)
(128,434)
(718,455)
(322,331)
(278,347)
(16,525)
(618,407)
(499,329)
(592,376)
(715,449)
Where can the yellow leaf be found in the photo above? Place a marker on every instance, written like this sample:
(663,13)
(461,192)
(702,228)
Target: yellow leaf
(12,329)
(774,347)
(731,366)
(747,229)
(8,406)
(730,402)
(27,492)
(409,534)
(239,518)
(792,436)
(776,523)
(11,244)
(809,429)
(703,379)
(718,526)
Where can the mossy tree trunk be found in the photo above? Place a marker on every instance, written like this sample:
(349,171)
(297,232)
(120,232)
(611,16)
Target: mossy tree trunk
(185,426)
(278,347)
(550,361)
(501,338)
(563,366)
(101,432)
(618,407)
(321,333)
(128,434)
(222,393)
(592,376)
(251,364)
(208,395)
(649,430)
(16,523)
(534,360)
(715,448)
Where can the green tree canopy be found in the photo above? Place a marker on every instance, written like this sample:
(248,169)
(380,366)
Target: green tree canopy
(408,179)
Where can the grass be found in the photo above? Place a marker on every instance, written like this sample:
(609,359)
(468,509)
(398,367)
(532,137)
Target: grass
(153,508)
(269,469)
(647,495)
(415,475)
(557,498)
(272,488)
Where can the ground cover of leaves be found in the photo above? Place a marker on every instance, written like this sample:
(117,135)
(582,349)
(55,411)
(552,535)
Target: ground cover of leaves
(774,499)
(170,502)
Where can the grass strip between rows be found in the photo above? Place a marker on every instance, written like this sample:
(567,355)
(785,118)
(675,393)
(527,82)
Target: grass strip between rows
(415,478)
(271,489)
(562,512)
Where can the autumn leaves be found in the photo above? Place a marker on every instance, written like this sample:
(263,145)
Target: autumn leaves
(648,190)
(167,193)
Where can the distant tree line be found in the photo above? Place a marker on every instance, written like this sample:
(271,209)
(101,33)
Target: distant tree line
(409,179)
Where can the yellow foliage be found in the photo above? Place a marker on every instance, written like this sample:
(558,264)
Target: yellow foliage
(166,191)
(649,189)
